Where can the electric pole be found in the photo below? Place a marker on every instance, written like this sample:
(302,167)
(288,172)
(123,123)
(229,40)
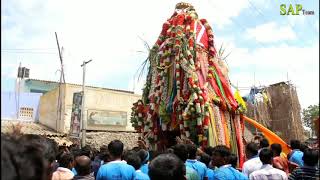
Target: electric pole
(62,80)
(83,122)
(61,61)
(19,86)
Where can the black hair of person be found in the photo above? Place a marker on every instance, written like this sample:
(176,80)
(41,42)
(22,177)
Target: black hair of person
(105,156)
(134,160)
(233,160)
(276,148)
(295,144)
(303,147)
(115,148)
(49,147)
(192,150)
(264,143)
(266,156)
(65,160)
(25,162)
(252,148)
(310,157)
(144,156)
(168,167)
(208,150)
(205,158)
(222,151)
(181,151)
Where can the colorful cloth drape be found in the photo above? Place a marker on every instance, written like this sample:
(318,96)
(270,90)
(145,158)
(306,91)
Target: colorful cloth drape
(185,90)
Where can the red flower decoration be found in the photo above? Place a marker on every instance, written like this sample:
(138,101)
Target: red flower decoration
(203,21)
(188,19)
(174,21)
(180,19)
(159,42)
(165,28)
(191,42)
(174,14)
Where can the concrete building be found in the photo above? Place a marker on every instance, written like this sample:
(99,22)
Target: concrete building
(37,86)
(105,109)
(20,106)
(108,112)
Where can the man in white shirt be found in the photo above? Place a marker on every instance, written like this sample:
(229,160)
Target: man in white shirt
(267,172)
(253,163)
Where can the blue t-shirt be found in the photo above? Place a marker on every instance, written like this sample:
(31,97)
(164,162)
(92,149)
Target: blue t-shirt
(210,174)
(191,174)
(296,157)
(227,172)
(198,166)
(74,171)
(141,176)
(145,169)
(116,170)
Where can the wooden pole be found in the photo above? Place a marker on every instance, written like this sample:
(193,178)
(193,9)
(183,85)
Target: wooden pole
(60,56)
(63,80)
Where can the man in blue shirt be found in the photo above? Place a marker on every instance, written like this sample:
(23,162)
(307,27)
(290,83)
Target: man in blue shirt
(144,156)
(181,151)
(221,158)
(116,169)
(193,163)
(134,160)
(295,155)
(206,159)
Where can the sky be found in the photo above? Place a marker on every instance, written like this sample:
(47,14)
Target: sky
(265,47)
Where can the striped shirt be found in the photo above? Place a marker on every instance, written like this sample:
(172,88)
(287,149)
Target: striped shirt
(305,172)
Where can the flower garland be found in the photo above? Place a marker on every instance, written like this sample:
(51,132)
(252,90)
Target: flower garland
(175,97)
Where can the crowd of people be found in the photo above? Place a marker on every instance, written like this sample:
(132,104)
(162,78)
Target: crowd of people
(34,157)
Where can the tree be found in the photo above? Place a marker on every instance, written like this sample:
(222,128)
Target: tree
(309,115)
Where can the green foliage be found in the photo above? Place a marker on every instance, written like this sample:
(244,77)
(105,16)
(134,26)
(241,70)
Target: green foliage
(309,115)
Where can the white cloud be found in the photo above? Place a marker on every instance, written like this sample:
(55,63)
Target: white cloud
(108,33)
(296,20)
(219,13)
(271,65)
(99,30)
(271,32)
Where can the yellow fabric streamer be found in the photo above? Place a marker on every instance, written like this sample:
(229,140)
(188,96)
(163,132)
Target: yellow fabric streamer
(265,97)
(239,99)
(210,137)
(225,128)
(213,126)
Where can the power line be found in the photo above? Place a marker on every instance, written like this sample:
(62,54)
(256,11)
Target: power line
(240,25)
(26,49)
(259,12)
(287,20)
(27,52)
